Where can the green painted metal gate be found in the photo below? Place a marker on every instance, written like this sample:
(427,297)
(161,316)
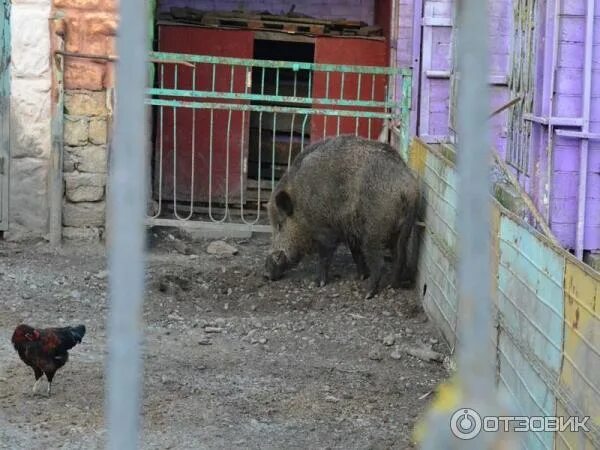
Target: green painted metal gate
(227,128)
(4,110)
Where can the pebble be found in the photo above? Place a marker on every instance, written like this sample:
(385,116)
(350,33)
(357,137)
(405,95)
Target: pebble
(375,354)
(389,340)
(205,341)
(396,354)
(25,296)
(182,248)
(221,248)
(331,399)
(213,330)
(262,341)
(102,275)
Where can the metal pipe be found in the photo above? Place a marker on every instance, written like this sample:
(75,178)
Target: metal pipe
(550,137)
(56,155)
(126,203)
(416,63)
(476,366)
(585,143)
(393,45)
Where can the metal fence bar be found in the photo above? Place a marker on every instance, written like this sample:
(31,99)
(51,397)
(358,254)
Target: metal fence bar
(475,354)
(277,98)
(268,98)
(269,108)
(126,218)
(182,57)
(474,209)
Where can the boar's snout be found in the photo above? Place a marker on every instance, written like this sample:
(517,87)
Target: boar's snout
(275,266)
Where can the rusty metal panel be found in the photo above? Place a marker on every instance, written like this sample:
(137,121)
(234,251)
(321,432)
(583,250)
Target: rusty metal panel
(530,284)
(201,155)
(350,86)
(581,362)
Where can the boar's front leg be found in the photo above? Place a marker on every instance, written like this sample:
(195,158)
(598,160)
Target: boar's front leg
(359,260)
(374,255)
(326,252)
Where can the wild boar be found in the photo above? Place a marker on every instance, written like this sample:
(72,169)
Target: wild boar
(347,190)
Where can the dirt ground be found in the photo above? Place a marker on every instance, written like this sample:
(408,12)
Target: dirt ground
(230,360)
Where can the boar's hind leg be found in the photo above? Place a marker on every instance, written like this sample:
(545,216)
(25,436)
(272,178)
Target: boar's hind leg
(359,260)
(325,256)
(401,277)
(374,255)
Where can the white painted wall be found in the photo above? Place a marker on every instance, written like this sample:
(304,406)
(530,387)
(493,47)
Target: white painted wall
(30,117)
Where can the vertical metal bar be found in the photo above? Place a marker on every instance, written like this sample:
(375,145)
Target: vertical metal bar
(303,132)
(56,166)
(295,82)
(405,112)
(247,85)
(416,62)
(175,146)
(552,66)
(273,151)
(475,364)
(126,212)
(291,140)
(587,98)
(326,96)
(474,193)
(341,98)
(357,120)
(259,176)
(372,98)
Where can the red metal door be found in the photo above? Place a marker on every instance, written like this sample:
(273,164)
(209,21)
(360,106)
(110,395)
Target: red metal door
(203,154)
(347,51)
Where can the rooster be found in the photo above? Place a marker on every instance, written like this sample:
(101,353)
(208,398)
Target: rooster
(45,350)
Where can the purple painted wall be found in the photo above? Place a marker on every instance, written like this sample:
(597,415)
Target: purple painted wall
(436,68)
(569,103)
(434,100)
(333,9)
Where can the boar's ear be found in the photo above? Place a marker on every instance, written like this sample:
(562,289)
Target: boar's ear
(284,203)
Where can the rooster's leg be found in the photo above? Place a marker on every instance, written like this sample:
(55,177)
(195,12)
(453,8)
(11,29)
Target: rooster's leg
(50,376)
(38,378)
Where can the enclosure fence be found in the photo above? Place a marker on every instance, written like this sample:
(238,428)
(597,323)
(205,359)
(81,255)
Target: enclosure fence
(226,129)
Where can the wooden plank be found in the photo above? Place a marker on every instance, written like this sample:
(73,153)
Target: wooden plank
(209,226)
(264,35)
(261,24)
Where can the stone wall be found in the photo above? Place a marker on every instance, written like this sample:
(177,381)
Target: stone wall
(30,118)
(89,28)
